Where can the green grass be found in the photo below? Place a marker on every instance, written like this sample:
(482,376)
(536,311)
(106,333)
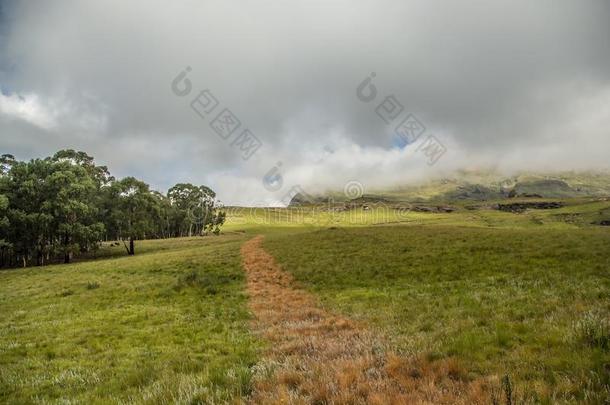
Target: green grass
(525,295)
(517,301)
(168,325)
(576,214)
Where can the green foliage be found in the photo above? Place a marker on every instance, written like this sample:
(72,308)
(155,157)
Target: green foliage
(133,215)
(4,223)
(197,209)
(65,205)
(51,209)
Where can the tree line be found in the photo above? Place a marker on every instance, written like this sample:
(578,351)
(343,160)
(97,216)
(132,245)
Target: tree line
(54,208)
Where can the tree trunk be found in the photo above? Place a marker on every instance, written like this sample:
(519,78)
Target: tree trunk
(66,243)
(132,250)
(40,254)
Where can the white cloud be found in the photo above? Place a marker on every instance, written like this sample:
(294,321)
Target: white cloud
(54,113)
(495,85)
(27,108)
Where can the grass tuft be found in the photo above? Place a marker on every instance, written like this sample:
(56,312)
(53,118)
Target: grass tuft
(593,330)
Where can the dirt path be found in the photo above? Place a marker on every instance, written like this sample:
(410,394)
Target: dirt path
(316,357)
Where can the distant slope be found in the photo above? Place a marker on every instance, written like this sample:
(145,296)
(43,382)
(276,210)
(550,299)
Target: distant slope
(486,186)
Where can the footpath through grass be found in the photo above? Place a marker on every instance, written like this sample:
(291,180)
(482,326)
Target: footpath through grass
(532,303)
(524,295)
(168,325)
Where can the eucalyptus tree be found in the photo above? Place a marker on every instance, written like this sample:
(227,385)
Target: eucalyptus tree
(134,212)
(184,197)
(73,204)
(24,187)
(99,181)
(165,213)
(197,209)
(99,174)
(51,209)
(5,245)
(56,207)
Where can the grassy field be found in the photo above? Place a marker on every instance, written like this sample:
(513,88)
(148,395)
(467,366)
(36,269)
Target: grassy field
(524,295)
(576,214)
(528,302)
(168,325)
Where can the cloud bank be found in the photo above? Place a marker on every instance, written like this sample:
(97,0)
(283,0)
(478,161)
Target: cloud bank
(509,85)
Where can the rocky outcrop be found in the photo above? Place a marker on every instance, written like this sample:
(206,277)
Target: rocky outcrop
(543,189)
(437,208)
(522,206)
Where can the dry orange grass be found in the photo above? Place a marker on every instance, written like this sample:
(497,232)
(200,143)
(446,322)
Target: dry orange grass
(316,357)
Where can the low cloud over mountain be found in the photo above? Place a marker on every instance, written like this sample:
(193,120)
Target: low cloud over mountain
(509,85)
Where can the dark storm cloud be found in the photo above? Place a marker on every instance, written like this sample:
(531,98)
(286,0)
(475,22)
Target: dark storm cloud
(517,84)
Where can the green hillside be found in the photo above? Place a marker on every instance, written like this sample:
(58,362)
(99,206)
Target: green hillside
(485,186)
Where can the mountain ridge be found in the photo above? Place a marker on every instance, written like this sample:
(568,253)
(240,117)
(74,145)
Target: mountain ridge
(472,185)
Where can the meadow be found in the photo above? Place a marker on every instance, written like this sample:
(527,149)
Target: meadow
(523,298)
(169,325)
(529,304)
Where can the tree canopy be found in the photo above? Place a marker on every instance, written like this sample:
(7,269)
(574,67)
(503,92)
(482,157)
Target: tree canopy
(54,208)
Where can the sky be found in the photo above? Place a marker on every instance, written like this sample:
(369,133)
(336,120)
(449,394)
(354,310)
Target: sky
(259,99)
